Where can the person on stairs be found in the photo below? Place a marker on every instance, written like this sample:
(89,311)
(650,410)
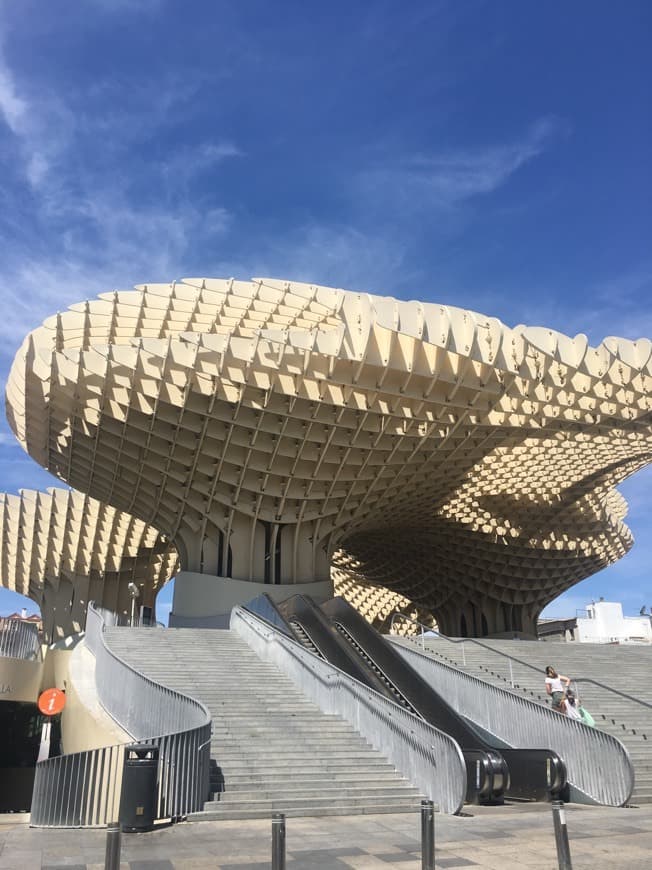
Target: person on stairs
(572,705)
(556,689)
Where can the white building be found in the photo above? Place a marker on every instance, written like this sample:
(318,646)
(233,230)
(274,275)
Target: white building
(605,623)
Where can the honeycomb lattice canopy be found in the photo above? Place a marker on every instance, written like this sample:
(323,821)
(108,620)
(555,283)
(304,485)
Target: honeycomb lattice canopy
(272,430)
(63,549)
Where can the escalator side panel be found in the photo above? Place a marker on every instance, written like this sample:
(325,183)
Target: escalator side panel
(263,607)
(328,641)
(428,704)
(486,770)
(532,774)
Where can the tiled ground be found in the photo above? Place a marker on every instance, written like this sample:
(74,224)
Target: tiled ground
(497,838)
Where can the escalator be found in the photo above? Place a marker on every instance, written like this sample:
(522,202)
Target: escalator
(342,637)
(486,770)
(315,631)
(533,774)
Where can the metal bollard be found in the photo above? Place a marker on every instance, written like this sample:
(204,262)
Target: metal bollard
(278,841)
(112,856)
(561,835)
(427,835)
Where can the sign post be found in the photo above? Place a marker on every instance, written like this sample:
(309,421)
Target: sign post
(50,703)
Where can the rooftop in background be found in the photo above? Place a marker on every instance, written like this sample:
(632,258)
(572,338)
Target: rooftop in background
(602,622)
(23,617)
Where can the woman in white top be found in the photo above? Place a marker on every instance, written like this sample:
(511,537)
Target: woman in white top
(555,688)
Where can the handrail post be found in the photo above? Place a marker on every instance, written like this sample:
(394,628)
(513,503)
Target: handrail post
(511,674)
(561,836)
(112,854)
(427,835)
(463,655)
(278,841)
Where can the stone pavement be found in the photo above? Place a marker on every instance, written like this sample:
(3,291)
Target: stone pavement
(496,838)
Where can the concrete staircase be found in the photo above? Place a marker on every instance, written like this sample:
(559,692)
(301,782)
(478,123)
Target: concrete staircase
(626,669)
(272,749)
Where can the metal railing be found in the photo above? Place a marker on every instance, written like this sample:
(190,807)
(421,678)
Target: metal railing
(511,660)
(431,760)
(83,789)
(19,640)
(598,765)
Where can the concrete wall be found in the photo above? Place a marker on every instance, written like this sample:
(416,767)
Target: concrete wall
(84,722)
(20,679)
(204,600)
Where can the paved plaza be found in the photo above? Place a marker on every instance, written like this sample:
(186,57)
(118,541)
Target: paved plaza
(495,838)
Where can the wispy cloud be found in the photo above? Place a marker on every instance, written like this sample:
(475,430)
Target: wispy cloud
(341,255)
(42,125)
(115,243)
(446,179)
(616,304)
(12,107)
(75,220)
(187,163)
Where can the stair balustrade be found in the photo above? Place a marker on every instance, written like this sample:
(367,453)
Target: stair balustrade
(605,691)
(598,765)
(19,640)
(82,789)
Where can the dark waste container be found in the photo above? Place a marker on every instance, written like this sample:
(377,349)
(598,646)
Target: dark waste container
(139,787)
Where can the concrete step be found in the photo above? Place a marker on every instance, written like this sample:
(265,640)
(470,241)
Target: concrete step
(307,793)
(259,757)
(283,804)
(314,778)
(357,767)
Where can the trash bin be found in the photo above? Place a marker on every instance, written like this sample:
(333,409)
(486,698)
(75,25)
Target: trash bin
(139,787)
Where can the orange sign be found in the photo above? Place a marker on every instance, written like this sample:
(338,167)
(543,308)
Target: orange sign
(51,702)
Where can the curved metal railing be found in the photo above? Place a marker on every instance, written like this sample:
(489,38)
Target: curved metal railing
(598,765)
(431,760)
(83,789)
(603,687)
(19,640)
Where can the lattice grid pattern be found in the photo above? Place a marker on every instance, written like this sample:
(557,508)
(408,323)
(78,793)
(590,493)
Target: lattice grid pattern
(465,465)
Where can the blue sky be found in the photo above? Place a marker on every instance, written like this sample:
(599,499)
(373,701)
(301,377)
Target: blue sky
(491,155)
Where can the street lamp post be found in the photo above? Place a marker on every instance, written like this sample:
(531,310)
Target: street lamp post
(134,592)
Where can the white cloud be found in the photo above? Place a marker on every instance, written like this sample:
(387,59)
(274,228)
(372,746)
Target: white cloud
(42,124)
(616,305)
(445,179)
(216,152)
(185,164)
(84,227)
(115,243)
(339,256)
(12,107)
